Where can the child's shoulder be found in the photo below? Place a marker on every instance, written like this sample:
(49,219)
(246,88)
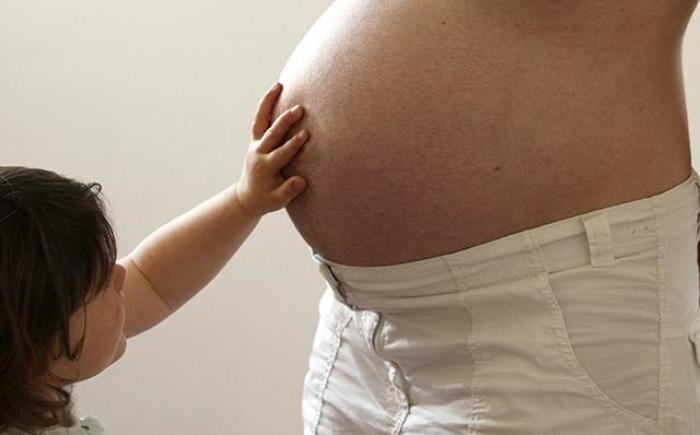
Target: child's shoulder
(86,426)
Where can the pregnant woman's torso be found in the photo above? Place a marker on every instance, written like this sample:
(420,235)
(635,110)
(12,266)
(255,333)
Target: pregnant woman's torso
(440,125)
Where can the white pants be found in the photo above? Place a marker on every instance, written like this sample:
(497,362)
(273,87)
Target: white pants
(584,326)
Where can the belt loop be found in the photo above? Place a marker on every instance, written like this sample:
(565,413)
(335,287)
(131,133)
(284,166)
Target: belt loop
(600,243)
(333,281)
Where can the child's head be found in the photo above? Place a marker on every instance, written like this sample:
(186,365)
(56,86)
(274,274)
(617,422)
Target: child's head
(62,309)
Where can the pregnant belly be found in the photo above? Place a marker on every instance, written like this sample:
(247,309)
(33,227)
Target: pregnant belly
(435,126)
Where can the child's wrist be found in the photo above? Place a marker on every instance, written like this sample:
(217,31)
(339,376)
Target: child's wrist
(245,210)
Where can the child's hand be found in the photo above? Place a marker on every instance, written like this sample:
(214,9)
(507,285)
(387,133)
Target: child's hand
(262,188)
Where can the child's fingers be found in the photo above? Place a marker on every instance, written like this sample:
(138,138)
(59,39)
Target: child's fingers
(272,137)
(280,157)
(261,122)
(288,190)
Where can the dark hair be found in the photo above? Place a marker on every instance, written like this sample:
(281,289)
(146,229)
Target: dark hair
(57,251)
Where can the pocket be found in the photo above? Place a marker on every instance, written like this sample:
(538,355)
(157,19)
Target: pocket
(333,318)
(577,305)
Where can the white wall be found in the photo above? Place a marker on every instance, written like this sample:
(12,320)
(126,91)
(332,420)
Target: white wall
(154,99)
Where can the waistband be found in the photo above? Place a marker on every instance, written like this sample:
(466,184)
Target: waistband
(598,238)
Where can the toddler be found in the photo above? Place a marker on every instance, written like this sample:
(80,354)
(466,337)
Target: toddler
(67,304)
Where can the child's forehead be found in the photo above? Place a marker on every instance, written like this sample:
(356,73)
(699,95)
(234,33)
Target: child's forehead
(98,289)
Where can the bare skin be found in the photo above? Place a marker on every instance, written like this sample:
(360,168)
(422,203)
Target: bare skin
(443,125)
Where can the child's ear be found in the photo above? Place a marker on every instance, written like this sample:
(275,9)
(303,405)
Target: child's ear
(118,277)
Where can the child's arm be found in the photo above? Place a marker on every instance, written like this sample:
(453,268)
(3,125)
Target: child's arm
(181,257)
